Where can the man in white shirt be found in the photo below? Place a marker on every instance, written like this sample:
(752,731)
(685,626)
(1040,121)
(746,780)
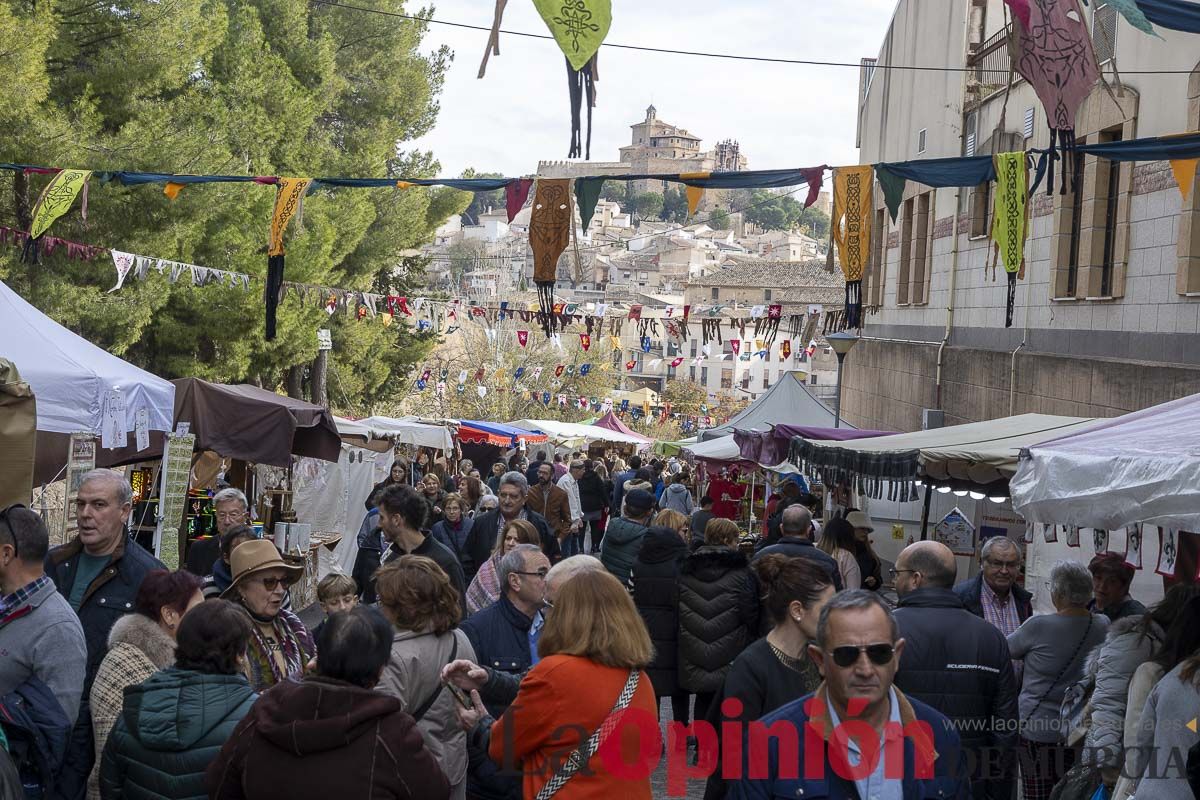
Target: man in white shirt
(569,483)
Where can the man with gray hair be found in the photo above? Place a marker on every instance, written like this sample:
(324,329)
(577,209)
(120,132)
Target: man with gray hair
(505,637)
(489,526)
(795,540)
(99,572)
(957,663)
(857,651)
(993,594)
(230,509)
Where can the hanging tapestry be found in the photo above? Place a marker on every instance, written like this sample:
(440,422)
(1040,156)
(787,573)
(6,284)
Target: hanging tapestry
(852,211)
(55,200)
(549,234)
(288,199)
(1010,221)
(1054,53)
(579,28)
(515,195)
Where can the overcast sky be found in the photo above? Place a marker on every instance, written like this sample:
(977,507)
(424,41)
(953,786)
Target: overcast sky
(784,115)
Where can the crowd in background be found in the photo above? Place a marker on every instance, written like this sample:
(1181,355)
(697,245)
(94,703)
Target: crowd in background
(490,626)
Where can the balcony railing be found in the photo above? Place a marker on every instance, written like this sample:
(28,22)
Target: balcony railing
(990,65)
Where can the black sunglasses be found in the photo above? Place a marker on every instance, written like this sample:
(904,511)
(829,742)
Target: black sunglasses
(847,655)
(11,533)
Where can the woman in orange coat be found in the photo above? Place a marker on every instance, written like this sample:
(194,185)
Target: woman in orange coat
(594,649)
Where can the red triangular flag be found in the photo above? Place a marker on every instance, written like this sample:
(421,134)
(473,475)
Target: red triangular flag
(735,345)
(523,338)
(630,364)
(585,341)
(558,370)
(515,195)
(676,362)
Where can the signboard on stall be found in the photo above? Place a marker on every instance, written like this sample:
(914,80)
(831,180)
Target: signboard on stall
(81,459)
(956,532)
(172,497)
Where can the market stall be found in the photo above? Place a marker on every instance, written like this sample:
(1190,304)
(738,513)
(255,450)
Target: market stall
(497,434)
(788,401)
(1137,472)
(613,423)
(574,435)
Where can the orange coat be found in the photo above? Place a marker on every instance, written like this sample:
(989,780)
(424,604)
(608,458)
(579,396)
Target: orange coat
(558,697)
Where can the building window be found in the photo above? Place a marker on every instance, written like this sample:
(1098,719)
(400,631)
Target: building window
(766,295)
(693,373)
(766,381)
(1091,225)
(874,279)
(981,207)
(812,380)
(921,136)
(716,293)
(1027,129)
(746,381)
(694,346)
(727,379)
(922,254)
(704,375)
(906,234)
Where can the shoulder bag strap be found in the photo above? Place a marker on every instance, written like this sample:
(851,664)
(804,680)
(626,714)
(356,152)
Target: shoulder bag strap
(589,748)
(428,704)
(1069,662)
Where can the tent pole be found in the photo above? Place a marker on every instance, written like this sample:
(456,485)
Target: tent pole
(750,521)
(925,512)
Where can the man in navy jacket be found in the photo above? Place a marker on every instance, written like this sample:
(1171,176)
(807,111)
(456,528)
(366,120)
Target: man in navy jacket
(858,650)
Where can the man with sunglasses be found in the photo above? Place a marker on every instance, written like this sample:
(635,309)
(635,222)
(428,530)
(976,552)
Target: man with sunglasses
(858,719)
(957,663)
(40,636)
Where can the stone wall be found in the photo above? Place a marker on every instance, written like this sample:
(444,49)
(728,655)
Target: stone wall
(886,384)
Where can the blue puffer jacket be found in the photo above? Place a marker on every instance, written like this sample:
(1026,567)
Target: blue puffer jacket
(170,730)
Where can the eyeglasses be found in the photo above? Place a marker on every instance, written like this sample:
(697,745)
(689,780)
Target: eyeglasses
(541,573)
(272,583)
(894,572)
(11,533)
(1010,565)
(847,655)
(229,516)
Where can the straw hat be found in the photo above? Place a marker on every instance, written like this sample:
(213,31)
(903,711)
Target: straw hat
(254,556)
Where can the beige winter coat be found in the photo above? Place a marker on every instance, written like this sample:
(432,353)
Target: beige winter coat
(1145,677)
(412,675)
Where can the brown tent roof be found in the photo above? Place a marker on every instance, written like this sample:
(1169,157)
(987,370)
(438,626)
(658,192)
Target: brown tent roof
(253,424)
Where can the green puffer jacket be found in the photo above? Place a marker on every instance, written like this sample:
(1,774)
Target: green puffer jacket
(171,728)
(620,546)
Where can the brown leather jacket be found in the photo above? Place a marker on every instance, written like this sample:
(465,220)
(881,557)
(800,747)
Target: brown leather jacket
(552,503)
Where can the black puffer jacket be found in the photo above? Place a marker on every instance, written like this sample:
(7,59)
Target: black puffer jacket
(655,579)
(718,615)
(960,665)
(593,494)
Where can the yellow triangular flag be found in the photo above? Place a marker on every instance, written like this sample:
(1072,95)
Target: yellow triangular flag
(694,193)
(615,341)
(403,184)
(172,189)
(1185,174)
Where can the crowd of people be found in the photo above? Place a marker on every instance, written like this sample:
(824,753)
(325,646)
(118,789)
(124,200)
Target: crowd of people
(531,646)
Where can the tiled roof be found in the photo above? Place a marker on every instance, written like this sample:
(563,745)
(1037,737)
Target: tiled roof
(773,274)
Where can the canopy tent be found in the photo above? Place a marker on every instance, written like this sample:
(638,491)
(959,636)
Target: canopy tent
(673,448)
(572,434)
(613,423)
(981,454)
(406,430)
(252,424)
(724,451)
(496,433)
(77,384)
(1140,467)
(771,447)
(788,401)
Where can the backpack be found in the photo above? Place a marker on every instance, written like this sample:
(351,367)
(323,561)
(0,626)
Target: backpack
(38,732)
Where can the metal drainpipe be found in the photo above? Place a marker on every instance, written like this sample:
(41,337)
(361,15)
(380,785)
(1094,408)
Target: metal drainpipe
(1012,375)
(957,205)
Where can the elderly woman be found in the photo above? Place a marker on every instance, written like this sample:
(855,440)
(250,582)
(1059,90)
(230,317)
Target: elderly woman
(485,587)
(280,645)
(718,612)
(139,645)
(175,722)
(1053,648)
(454,528)
(417,598)
(593,638)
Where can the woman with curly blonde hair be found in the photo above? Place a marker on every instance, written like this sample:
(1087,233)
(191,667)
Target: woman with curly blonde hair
(417,597)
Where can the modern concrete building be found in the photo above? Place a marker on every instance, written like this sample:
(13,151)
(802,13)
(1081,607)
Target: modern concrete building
(1107,318)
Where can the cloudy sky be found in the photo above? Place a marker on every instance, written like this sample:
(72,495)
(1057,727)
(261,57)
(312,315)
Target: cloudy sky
(784,115)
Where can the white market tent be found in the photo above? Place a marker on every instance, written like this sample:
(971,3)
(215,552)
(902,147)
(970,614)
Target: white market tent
(403,430)
(788,401)
(1140,467)
(77,384)
(572,434)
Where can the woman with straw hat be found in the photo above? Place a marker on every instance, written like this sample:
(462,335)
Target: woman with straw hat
(280,645)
